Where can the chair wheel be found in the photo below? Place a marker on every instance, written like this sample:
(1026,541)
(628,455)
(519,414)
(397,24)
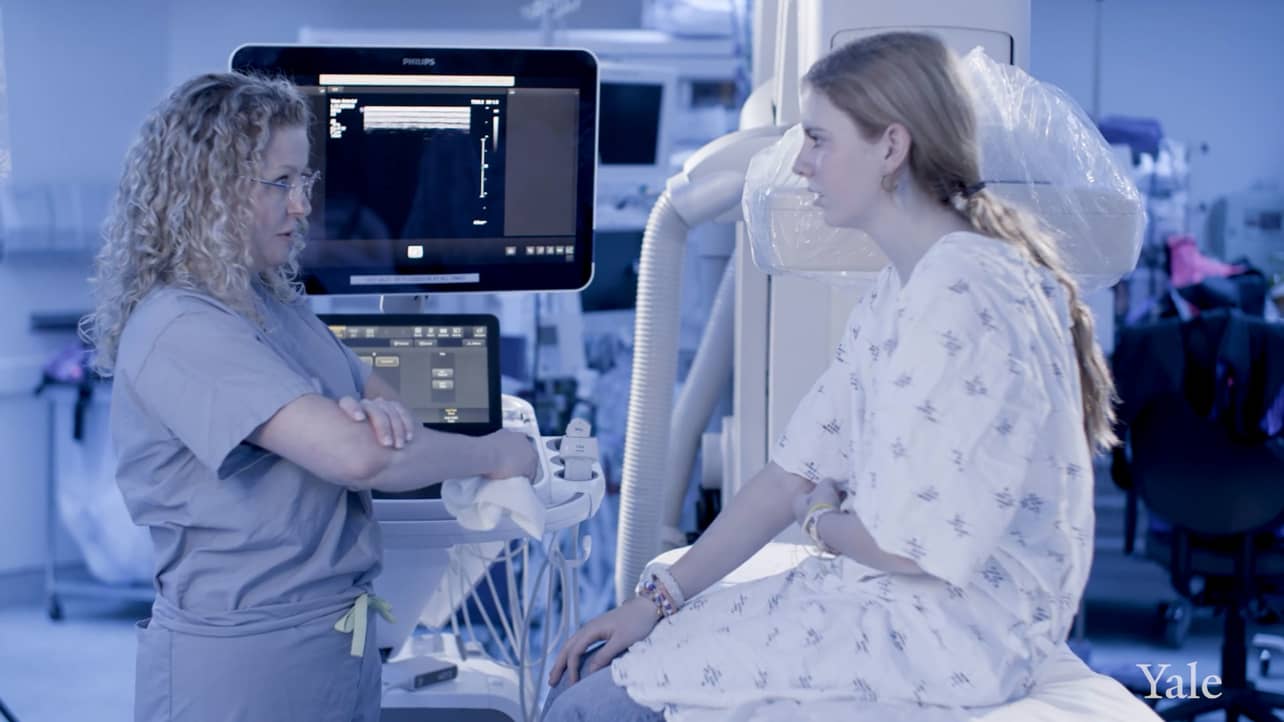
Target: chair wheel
(54,609)
(1264,663)
(1177,618)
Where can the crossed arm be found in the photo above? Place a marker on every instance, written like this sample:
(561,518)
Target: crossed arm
(375,444)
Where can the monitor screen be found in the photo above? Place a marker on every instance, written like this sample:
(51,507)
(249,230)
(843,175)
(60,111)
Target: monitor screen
(633,122)
(445,368)
(630,125)
(445,169)
(617,265)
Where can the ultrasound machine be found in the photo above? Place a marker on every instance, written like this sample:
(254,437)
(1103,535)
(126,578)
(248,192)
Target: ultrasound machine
(443,171)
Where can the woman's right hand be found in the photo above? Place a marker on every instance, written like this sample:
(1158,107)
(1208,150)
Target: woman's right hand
(515,455)
(619,628)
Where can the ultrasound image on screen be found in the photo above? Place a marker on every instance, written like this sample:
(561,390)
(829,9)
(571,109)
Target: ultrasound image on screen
(444,170)
(440,169)
(439,181)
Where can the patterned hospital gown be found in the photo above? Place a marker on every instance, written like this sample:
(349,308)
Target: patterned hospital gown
(951,415)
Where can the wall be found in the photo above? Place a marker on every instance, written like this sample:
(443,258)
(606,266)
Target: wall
(80,76)
(72,112)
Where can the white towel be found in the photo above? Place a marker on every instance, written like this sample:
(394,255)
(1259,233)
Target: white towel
(479,504)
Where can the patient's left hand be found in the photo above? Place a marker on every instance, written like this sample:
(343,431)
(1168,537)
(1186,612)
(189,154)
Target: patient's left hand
(619,629)
(826,492)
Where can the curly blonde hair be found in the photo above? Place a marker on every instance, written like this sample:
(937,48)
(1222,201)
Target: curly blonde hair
(182,215)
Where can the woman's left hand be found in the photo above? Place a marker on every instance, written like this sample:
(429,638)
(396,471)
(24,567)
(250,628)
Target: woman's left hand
(392,423)
(825,492)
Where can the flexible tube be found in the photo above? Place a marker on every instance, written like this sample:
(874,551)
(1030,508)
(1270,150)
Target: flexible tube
(655,368)
(710,372)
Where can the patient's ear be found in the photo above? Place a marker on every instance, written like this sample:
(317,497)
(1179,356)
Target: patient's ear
(895,146)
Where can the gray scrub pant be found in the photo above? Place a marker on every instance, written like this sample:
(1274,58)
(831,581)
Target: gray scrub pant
(297,674)
(595,697)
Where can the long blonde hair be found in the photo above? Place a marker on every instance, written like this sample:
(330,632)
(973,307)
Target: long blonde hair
(182,215)
(911,79)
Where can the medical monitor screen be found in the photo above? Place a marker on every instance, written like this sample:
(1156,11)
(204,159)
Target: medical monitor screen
(445,368)
(630,123)
(445,169)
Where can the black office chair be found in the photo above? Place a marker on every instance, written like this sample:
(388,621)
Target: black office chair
(1224,499)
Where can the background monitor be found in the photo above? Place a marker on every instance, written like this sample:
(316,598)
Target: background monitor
(617,265)
(635,119)
(445,170)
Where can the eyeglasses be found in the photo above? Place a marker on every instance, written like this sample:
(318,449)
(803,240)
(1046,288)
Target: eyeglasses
(303,186)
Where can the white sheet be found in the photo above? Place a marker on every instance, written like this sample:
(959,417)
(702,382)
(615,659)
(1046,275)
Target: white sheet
(1065,690)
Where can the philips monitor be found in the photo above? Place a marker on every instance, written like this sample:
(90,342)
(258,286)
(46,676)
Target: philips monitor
(445,170)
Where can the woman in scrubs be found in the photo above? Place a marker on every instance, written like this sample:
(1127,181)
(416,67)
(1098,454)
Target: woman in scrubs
(248,438)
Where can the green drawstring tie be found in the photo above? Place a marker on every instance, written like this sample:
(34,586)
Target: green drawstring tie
(354,622)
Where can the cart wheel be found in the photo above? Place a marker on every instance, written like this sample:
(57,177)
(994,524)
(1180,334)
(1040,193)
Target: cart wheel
(1264,663)
(55,609)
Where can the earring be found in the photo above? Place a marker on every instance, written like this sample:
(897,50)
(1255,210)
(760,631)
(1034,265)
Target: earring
(889,183)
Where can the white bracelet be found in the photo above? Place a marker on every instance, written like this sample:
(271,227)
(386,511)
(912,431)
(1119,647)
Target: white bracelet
(811,525)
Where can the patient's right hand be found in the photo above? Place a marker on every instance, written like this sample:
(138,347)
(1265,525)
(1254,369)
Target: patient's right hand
(630,622)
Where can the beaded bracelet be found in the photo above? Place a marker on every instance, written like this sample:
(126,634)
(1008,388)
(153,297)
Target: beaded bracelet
(666,580)
(656,592)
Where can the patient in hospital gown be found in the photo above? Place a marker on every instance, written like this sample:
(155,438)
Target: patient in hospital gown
(953,430)
(950,415)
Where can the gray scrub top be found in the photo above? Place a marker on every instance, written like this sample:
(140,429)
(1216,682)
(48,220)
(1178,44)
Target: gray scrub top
(245,540)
